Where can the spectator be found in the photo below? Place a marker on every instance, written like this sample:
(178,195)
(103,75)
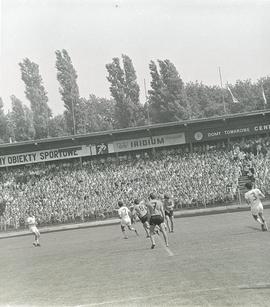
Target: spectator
(67,192)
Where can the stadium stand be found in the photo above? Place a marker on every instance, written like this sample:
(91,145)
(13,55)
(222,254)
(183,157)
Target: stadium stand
(69,192)
(204,173)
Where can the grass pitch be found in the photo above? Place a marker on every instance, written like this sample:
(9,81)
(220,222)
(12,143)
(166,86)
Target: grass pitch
(214,260)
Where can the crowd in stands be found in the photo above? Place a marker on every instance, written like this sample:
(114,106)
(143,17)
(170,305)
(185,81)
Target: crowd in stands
(69,192)
(254,159)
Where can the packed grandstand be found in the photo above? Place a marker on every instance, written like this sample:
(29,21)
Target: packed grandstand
(78,190)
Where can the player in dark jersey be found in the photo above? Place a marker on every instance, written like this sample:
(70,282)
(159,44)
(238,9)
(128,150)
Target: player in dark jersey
(168,208)
(157,218)
(140,210)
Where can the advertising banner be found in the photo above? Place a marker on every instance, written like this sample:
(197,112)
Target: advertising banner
(225,132)
(99,149)
(44,156)
(148,142)
(102,149)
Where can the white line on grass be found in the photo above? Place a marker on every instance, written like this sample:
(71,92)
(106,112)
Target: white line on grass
(169,251)
(171,254)
(127,300)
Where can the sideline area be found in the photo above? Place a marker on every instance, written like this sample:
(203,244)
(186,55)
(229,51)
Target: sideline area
(177,214)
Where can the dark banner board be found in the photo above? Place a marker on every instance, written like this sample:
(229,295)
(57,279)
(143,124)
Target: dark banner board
(102,149)
(225,132)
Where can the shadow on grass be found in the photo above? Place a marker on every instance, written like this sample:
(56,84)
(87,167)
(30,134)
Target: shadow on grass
(254,228)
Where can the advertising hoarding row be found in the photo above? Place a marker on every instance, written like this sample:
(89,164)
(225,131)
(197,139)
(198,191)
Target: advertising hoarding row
(45,156)
(193,135)
(91,150)
(149,142)
(227,132)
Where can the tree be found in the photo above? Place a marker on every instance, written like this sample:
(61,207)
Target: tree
(69,90)
(167,98)
(264,86)
(214,106)
(29,122)
(36,94)
(22,119)
(3,123)
(192,91)
(155,95)
(10,127)
(98,114)
(248,94)
(58,126)
(125,91)
(204,101)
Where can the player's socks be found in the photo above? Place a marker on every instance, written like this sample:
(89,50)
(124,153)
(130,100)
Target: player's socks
(265,225)
(35,244)
(259,221)
(153,246)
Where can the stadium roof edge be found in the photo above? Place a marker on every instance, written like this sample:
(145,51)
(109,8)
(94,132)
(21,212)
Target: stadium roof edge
(139,128)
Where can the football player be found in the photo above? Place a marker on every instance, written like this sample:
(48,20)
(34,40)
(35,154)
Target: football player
(168,208)
(140,210)
(157,218)
(124,214)
(253,198)
(31,222)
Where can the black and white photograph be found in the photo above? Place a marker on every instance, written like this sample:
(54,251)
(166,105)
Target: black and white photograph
(134,153)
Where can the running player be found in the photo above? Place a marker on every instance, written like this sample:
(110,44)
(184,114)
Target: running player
(124,214)
(140,210)
(31,222)
(168,208)
(253,198)
(157,218)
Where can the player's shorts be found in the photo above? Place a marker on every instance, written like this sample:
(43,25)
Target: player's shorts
(156,220)
(144,218)
(126,221)
(33,229)
(257,209)
(169,213)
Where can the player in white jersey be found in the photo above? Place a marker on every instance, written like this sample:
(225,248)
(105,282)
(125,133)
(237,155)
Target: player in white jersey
(140,210)
(253,198)
(31,222)
(168,209)
(124,214)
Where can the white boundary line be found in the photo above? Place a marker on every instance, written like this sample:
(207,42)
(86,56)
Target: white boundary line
(171,254)
(128,300)
(167,249)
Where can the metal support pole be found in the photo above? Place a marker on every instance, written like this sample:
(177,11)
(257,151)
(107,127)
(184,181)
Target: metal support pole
(147,103)
(73,117)
(221,84)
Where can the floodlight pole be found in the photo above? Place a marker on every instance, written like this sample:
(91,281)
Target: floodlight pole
(221,84)
(73,117)
(147,103)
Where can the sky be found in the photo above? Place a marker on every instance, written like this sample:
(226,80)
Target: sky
(197,36)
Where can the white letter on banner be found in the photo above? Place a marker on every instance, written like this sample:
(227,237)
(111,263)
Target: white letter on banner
(2,160)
